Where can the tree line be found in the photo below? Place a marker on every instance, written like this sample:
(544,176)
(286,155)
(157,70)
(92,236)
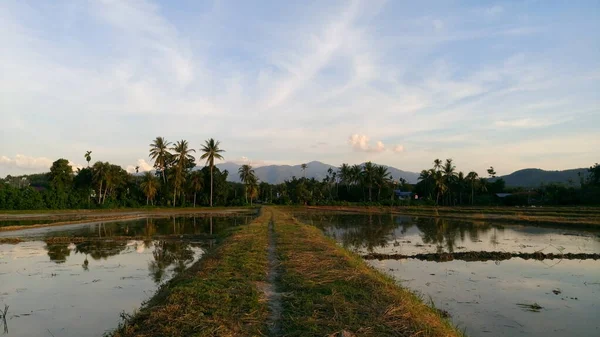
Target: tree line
(177,182)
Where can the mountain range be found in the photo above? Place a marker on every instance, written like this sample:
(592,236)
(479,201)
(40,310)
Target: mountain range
(276,174)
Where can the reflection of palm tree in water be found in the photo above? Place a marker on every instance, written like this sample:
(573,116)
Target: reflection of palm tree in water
(167,253)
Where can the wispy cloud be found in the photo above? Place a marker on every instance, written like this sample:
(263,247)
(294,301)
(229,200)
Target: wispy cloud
(273,83)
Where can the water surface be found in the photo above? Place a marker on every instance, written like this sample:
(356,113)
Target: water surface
(486,298)
(62,288)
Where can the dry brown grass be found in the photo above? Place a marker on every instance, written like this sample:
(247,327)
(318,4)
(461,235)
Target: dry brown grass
(330,289)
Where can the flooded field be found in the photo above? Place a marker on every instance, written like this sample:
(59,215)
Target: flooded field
(54,286)
(470,272)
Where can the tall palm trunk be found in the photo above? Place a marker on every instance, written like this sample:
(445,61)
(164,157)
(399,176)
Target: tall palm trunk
(194,199)
(174,194)
(147,200)
(100,193)
(211,184)
(472,194)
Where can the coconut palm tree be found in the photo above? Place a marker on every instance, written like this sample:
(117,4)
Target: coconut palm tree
(368,175)
(449,172)
(100,170)
(440,184)
(211,151)
(344,174)
(382,178)
(252,187)
(437,164)
(196,183)
(247,176)
(160,154)
(182,161)
(303,167)
(88,157)
(150,186)
(355,172)
(472,179)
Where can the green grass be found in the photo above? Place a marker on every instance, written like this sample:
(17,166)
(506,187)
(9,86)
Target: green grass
(218,296)
(328,289)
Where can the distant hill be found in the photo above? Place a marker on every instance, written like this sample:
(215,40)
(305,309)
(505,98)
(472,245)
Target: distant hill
(276,174)
(535,177)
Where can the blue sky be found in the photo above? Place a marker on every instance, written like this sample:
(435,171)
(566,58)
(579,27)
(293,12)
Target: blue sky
(511,84)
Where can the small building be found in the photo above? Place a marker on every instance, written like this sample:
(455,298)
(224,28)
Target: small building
(401,195)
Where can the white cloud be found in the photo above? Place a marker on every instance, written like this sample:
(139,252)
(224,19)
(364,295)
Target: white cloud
(143,166)
(398,148)
(247,161)
(361,143)
(24,162)
(524,123)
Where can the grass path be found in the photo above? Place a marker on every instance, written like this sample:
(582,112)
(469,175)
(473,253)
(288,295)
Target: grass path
(280,277)
(329,290)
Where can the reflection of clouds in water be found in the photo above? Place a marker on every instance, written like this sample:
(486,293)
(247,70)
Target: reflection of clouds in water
(71,246)
(139,245)
(23,250)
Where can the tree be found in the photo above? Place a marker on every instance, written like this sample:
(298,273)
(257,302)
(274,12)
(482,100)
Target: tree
(150,186)
(88,157)
(344,174)
(252,187)
(160,154)
(368,175)
(303,167)
(449,177)
(491,172)
(382,178)
(472,179)
(182,161)
(211,151)
(196,183)
(247,176)
(61,175)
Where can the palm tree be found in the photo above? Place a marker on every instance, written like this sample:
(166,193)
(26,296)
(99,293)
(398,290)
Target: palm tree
(183,160)
(355,172)
(382,178)
(150,186)
(161,155)
(252,187)
(437,164)
(368,175)
(344,174)
(303,167)
(472,178)
(483,184)
(88,157)
(449,176)
(247,176)
(440,184)
(99,170)
(211,151)
(196,183)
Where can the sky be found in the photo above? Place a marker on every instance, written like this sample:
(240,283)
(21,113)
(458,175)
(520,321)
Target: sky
(512,84)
